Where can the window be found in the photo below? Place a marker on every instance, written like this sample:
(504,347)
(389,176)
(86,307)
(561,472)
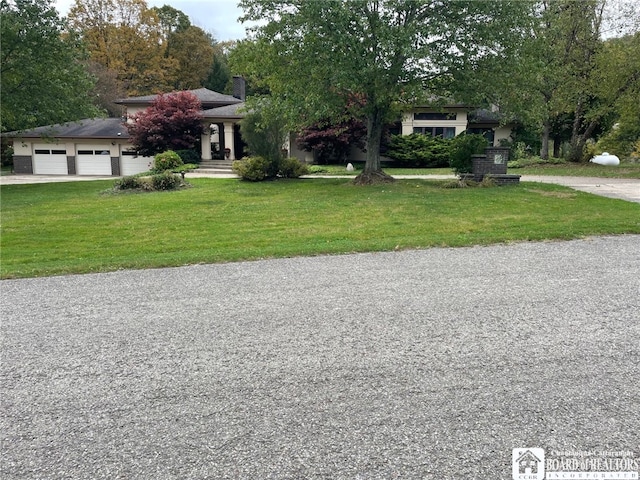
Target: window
(487,133)
(93,152)
(444,132)
(40,151)
(59,152)
(434,116)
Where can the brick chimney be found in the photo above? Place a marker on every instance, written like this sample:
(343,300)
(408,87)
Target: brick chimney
(239,87)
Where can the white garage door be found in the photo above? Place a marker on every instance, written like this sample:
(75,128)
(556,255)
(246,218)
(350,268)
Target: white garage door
(93,160)
(49,160)
(131,163)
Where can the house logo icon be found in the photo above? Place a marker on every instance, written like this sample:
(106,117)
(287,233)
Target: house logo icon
(528,463)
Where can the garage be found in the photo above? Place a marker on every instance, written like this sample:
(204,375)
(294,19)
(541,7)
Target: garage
(93,160)
(132,163)
(49,160)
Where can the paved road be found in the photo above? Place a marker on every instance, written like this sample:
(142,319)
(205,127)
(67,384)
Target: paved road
(428,364)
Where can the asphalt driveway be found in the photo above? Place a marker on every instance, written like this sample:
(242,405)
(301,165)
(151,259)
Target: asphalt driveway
(429,364)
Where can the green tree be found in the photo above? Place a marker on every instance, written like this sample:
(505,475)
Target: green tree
(219,76)
(372,57)
(44,80)
(567,82)
(193,52)
(171,20)
(264,129)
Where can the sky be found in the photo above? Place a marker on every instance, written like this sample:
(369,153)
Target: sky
(218,17)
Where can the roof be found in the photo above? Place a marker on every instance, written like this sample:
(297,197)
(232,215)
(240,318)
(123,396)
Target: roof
(90,128)
(228,111)
(482,115)
(207,97)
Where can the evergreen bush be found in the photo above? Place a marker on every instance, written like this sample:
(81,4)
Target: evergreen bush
(253,169)
(165,181)
(292,168)
(419,151)
(164,161)
(462,147)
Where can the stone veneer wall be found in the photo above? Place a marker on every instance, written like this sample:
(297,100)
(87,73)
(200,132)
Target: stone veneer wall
(23,164)
(115,166)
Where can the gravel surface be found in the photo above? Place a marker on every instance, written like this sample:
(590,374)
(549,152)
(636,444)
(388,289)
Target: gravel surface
(429,364)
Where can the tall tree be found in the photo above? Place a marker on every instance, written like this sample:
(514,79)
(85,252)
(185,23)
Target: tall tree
(219,76)
(126,37)
(171,20)
(373,55)
(566,82)
(43,79)
(194,55)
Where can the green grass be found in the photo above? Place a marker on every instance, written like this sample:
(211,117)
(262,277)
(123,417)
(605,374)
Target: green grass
(74,227)
(626,170)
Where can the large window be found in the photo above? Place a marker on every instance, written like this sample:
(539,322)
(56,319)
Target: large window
(444,132)
(434,116)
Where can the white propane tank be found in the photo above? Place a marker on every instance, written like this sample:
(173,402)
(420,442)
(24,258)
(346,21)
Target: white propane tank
(606,159)
(349,167)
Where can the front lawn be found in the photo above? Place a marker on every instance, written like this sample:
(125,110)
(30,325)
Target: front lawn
(625,170)
(74,227)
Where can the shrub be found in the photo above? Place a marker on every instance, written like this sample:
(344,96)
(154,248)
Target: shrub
(253,169)
(166,161)
(127,183)
(189,156)
(462,147)
(292,168)
(165,181)
(419,151)
(533,161)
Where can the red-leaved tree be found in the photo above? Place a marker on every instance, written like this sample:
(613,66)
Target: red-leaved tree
(172,122)
(332,142)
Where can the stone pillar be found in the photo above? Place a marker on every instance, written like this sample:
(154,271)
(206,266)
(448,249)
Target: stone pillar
(228,140)
(205,144)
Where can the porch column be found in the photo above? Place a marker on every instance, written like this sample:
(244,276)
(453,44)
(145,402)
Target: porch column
(205,144)
(407,124)
(228,140)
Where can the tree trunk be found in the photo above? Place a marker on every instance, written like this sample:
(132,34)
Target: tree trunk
(372,172)
(556,146)
(544,149)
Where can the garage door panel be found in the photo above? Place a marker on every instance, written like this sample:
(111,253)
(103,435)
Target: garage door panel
(49,160)
(131,163)
(93,160)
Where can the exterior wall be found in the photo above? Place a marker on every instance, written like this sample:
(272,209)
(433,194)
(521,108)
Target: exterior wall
(459,123)
(71,164)
(23,164)
(131,111)
(358,155)
(502,133)
(296,152)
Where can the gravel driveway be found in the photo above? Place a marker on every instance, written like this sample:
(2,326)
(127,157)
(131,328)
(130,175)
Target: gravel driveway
(429,364)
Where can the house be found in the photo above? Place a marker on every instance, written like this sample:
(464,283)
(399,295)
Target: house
(102,146)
